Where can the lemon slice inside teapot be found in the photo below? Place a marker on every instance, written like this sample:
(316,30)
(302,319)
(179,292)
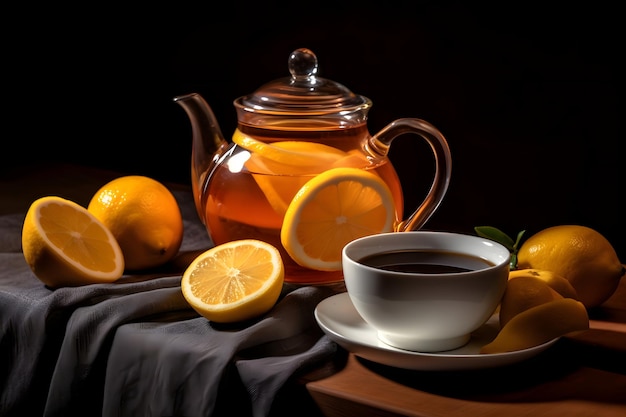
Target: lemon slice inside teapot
(289,157)
(281,168)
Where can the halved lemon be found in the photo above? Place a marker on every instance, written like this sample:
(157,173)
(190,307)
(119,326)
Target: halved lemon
(332,209)
(234,281)
(66,245)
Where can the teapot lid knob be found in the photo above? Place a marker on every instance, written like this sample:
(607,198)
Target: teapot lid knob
(303,93)
(302,63)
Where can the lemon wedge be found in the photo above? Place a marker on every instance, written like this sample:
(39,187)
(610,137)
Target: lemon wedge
(540,324)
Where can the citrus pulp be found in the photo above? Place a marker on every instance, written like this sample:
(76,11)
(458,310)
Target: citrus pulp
(332,209)
(234,281)
(66,245)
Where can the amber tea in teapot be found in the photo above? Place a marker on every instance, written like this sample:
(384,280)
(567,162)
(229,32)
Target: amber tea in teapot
(254,202)
(291,133)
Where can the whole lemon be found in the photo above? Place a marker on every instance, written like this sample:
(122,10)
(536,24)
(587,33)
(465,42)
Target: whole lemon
(144,217)
(578,253)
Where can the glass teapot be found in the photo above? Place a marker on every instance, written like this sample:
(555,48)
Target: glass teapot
(289,131)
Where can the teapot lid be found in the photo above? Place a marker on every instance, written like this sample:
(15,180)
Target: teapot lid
(304,92)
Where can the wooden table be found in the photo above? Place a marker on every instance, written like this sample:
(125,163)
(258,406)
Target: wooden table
(582,375)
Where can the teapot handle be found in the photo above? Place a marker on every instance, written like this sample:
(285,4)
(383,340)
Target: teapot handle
(379,144)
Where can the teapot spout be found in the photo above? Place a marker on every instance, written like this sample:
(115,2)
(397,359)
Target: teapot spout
(208,145)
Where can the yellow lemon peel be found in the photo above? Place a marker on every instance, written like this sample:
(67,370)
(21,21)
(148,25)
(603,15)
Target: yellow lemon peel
(144,217)
(578,253)
(540,324)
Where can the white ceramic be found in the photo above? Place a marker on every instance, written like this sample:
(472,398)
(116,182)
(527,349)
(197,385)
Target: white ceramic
(340,321)
(425,312)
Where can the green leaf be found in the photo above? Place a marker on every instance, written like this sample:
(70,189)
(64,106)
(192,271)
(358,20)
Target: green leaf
(519,239)
(497,235)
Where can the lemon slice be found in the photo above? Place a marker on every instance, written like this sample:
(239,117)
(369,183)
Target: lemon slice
(301,155)
(281,168)
(332,209)
(66,245)
(234,281)
(278,189)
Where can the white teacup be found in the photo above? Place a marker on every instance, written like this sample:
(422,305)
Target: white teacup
(445,285)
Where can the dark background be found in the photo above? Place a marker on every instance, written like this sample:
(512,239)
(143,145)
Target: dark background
(528,96)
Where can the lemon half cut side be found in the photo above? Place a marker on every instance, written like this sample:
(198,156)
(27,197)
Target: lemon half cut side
(332,209)
(234,281)
(65,245)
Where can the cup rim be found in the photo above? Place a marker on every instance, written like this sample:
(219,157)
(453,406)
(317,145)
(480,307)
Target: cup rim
(373,240)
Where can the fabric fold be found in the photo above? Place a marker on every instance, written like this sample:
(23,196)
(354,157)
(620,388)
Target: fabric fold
(179,368)
(88,337)
(264,377)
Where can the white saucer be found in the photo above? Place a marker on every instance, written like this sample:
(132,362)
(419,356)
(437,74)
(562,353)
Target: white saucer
(338,318)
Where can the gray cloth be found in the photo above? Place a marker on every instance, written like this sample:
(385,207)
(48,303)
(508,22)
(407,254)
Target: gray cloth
(136,348)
